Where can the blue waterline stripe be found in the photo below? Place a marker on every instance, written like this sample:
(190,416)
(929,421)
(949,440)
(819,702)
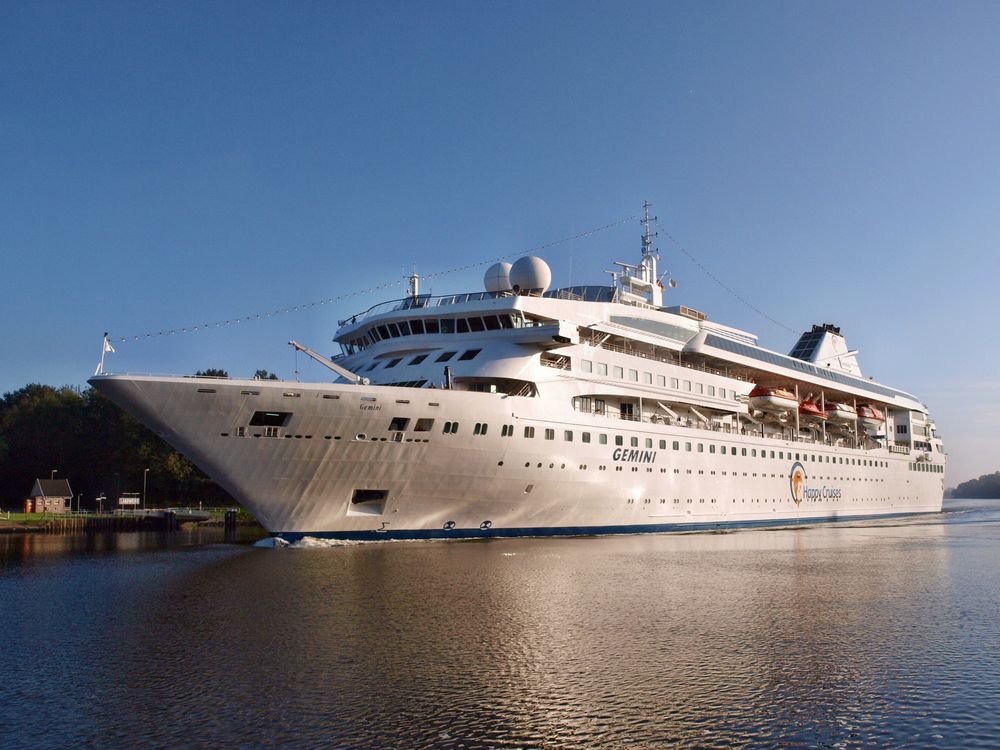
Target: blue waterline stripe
(575,530)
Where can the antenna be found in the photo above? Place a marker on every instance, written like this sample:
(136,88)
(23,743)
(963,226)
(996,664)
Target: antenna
(647,238)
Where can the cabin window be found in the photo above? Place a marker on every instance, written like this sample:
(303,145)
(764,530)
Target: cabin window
(675,383)
(529,432)
(634,442)
(586,365)
(599,406)
(480,428)
(618,372)
(445,356)
(602,369)
(450,428)
(568,436)
(418,359)
(393,362)
(677,445)
(701,447)
(711,390)
(661,381)
(722,393)
(585,437)
(619,440)
(711,449)
(687,447)
(647,377)
(602,439)
(633,375)
(550,434)
(701,388)
(649,442)
(470,354)
(687,385)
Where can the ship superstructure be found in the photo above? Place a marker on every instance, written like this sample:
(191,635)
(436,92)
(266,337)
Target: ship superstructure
(521,410)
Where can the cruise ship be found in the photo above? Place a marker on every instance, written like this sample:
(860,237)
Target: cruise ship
(524,410)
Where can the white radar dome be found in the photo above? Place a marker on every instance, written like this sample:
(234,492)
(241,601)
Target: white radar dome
(530,274)
(497,278)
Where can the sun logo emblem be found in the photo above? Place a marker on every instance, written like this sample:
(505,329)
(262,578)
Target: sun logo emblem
(797,482)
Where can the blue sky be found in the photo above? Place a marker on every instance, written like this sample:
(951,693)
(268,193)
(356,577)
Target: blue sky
(164,165)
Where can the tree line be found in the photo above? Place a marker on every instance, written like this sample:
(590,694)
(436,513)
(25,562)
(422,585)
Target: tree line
(101,450)
(987,486)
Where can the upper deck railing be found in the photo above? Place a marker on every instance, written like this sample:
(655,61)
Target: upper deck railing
(424,301)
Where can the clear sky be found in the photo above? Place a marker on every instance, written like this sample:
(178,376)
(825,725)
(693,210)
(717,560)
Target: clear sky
(164,165)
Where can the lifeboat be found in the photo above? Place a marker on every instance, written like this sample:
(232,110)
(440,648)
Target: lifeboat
(838,412)
(772,399)
(811,410)
(870,416)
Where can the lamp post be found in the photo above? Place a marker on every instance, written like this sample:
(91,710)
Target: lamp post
(145,472)
(52,474)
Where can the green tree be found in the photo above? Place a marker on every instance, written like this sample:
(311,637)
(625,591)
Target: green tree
(264,375)
(211,372)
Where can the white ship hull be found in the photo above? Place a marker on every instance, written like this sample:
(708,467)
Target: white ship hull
(303,482)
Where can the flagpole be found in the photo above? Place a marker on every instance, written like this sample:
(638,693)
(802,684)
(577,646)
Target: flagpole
(105,348)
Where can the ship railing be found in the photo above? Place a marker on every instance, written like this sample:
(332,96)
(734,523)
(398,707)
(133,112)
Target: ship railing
(669,359)
(787,435)
(578,294)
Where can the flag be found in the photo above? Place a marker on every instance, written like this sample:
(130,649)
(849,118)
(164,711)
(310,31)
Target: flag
(107,345)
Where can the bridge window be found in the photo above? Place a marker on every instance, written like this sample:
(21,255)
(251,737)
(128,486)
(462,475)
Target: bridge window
(431,325)
(398,424)
(423,425)
(417,326)
(462,325)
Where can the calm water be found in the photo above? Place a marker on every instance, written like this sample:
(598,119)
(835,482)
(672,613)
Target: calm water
(867,634)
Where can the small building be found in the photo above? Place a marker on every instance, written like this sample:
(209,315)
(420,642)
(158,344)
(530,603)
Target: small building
(49,496)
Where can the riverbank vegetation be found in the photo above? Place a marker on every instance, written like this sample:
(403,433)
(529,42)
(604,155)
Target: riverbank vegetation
(81,436)
(986,486)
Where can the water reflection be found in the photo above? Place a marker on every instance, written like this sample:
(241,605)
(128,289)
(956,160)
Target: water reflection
(837,635)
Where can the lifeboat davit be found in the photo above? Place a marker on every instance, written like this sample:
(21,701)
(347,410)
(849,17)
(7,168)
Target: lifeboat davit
(811,410)
(838,412)
(870,416)
(772,399)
